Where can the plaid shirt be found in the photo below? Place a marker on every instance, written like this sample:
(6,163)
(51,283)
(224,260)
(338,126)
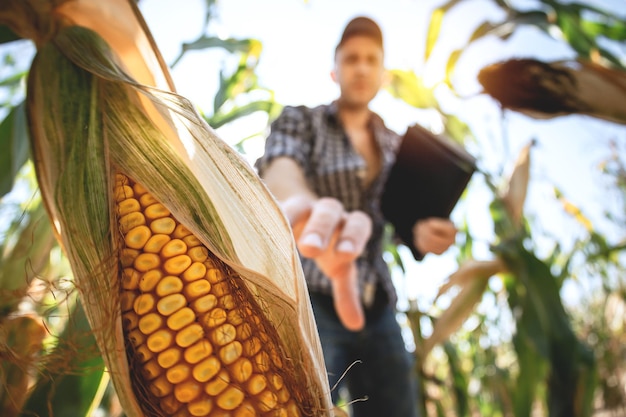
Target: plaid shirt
(316,140)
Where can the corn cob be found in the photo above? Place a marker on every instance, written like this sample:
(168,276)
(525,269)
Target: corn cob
(197,339)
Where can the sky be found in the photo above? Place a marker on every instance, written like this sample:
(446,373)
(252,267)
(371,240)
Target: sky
(299,38)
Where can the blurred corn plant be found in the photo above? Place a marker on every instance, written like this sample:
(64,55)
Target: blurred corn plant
(100,105)
(552,362)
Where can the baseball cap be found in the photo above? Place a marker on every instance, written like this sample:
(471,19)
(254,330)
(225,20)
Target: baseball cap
(361,26)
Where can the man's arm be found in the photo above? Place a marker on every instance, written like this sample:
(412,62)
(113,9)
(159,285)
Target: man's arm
(324,231)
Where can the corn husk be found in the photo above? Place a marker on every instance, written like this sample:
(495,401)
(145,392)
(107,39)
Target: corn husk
(100,100)
(514,195)
(472,277)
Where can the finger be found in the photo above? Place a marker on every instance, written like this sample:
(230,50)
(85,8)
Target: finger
(325,218)
(347,301)
(297,209)
(356,231)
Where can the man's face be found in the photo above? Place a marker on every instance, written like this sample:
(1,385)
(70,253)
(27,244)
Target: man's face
(359,70)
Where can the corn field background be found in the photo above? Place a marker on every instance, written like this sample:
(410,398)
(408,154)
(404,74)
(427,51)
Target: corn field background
(556,360)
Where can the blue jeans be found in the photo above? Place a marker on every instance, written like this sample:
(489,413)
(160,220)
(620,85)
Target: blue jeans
(386,374)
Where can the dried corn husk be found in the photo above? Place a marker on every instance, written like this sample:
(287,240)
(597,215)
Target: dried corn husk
(514,196)
(109,105)
(472,277)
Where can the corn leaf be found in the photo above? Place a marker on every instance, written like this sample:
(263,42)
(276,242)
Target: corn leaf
(474,276)
(14,143)
(73,381)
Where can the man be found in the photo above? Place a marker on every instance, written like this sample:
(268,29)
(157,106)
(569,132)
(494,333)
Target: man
(327,166)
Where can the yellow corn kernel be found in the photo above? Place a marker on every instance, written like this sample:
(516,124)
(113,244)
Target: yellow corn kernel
(217,384)
(178,373)
(122,193)
(223,334)
(241,369)
(283,395)
(276,381)
(256,384)
(292,409)
(177,264)
(182,318)
(155,243)
(146,261)
(161,387)
(143,354)
(156,211)
(216,317)
(147,199)
(169,357)
(151,370)
(150,323)
(197,289)
(189,335)
(195,353)
(201,407)
(171,304)
(149,280)
(196,253)
(204,304)
(127,300)
(131,220)
(128,206)
(180,232)
(127,257)
(246,409)
(227,302)
(267,401)
(170,404)
(130,278)
(136,337)
(164,225)
(214,275)
(192,241)
(195,271)
(169,285)
(144,304)
(221,289)
(206,369)
(261,362)
(187,391)
(230,353)
(173,248)
(252,346)
(230,399)
(160,340)
(235,317)
(137,237)
(130,321)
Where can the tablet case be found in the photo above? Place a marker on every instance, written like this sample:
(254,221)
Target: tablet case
(427,180)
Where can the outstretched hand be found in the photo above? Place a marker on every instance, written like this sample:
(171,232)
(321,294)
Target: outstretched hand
(334,238)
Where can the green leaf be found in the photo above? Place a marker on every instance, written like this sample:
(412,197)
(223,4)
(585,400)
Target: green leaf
(7,35)
(74,379)
(434,28)
(221,118)
(407,86)
(26,259)
(14,145)
(251,47)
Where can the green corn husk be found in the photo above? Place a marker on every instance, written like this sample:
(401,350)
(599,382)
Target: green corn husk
(109,106)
